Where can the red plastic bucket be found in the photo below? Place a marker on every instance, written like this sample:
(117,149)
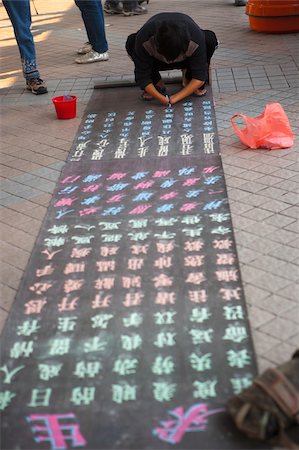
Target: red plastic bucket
(65,106)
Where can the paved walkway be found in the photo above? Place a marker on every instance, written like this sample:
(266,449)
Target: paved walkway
(249,70)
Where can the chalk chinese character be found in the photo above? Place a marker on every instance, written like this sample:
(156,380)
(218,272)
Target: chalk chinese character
(109,250)
(40,288)
(67,304)
(165,247)
(233,312)
(50,255)
(165,298)
(164,317)
(195,278)
(230,294)
(199,296)
(101,301)
(74,268)
(133,299)
(194,193)
(162,280)
(201,363)
(5,399)
(52,429)
(215,204)
(123,393)
(92,188)
(106,226)
(131,342)
(28,327)
(169,195)
(163,262)
(219,217)
(95,344)
(135,263)
(163,391)
(82,240)
(104,283)
(58,229)
(193,246)
(200,315)
(225,258)
(239,358)
(140,236)
(221,230)
(201,336)
(135,319)
(222,244)
(131,282)
(48,371)
(163,143)
(188,206)
(165,208)
(194,260)
(40,397)
(111,237)
(166,221)
(140,209)
(88,369)
(10,374)
(241,383)
(60,346)
(83,395)
(163,365)
(138,223)
(46,270)
(80,252)
(186,171)
(212,179)
(101,320)
(66,201)
(66,324)
(115,198)
(204,389)
(235,333)
(138,249)
(72,285)
(21,349)
(86,212)
(227,275)
(105,266)
(190,181)
(165,339)
(125,366)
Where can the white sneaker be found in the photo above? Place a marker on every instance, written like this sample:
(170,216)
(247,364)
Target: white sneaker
(91,57)
(84,49)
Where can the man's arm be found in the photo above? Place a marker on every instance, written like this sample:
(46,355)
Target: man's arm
(191,87)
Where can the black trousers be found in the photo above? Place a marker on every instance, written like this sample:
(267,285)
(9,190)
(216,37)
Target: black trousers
(211,45)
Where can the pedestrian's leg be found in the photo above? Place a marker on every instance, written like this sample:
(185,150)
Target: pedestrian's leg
(93,18)
(20,16)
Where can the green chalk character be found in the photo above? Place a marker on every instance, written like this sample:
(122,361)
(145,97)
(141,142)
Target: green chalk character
(204,389)
(163,365)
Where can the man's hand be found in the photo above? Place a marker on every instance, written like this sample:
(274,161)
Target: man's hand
(152,91)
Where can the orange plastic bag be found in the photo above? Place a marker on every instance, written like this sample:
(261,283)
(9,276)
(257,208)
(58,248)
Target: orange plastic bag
(270,130)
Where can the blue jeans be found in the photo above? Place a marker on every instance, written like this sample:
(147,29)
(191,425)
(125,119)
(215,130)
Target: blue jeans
(20,17)
(93,18)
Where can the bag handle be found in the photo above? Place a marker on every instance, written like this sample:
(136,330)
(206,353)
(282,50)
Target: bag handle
(237,130)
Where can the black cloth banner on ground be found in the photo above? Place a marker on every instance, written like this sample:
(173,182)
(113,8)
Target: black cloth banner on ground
(130,329)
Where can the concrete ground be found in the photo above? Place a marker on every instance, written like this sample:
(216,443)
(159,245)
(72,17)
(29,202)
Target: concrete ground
(250,69)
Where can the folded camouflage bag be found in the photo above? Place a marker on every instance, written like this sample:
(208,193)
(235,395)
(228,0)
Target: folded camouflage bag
(269,409)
